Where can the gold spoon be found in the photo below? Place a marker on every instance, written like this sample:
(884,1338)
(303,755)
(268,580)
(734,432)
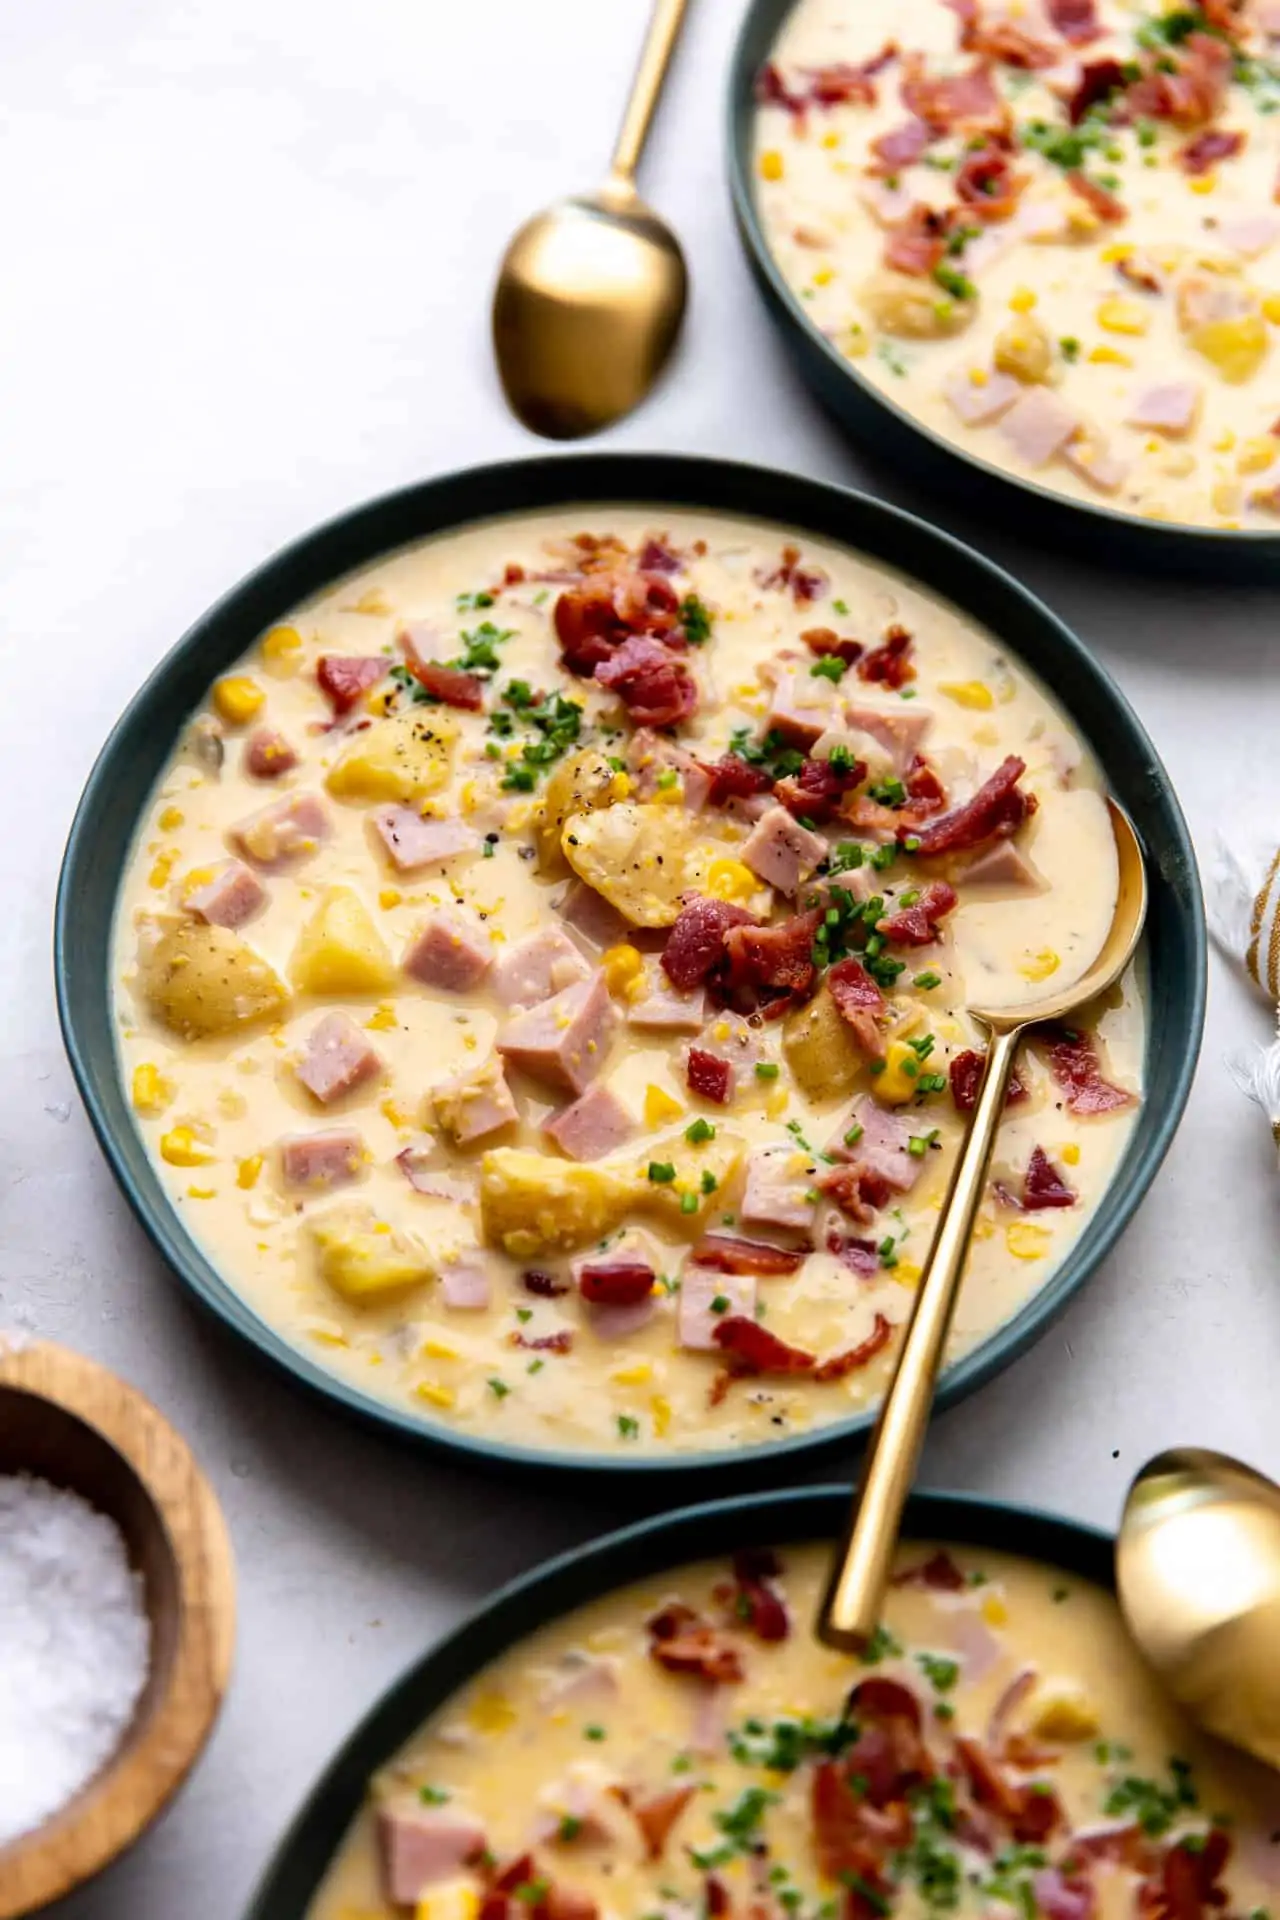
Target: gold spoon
(851,1606)
(1198,1574)
(591,292)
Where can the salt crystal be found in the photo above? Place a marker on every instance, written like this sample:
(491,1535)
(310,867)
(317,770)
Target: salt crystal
(74,1648)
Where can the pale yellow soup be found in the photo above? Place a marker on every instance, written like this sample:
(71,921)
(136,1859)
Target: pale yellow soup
(551,1750)
(361,1276)
(1149,338)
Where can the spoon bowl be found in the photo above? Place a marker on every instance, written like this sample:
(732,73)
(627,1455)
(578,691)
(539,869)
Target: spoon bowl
(1198,1575)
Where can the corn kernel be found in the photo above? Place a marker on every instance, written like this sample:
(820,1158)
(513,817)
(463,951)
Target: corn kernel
(248,1171)
(491,1712)
(1038,966)
(435,1396)
(374,602)
(994,1611)
(1225,497)
(824,276)
(978,376)
(282,651)
(1224,442)
(1110,357)
(396,1115)
(454,1900)
(191,882)
(731,880)
(1022,299)
(238,699)
(1204,183)
(159,874)
(1119,250)
(659,1106)
(906,1273)
(181,1148)
(171,819)
(1120,315)
(771,167)
(831,140)
(623,967)
(634,1376)
(1271,307)
(1254,455)
(390,897)
(439,1350)
(777,1103)
(327,1333)
(660,1408)
(1025,1241)
(201,1193)
(897,1082)
(382,1019)
(1071,1154)
(968,693)
(152,1092)
(983,1227)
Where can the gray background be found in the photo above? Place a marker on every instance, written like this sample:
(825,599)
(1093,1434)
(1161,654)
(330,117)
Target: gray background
(246,252)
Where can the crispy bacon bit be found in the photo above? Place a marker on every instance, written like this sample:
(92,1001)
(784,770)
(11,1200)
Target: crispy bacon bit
(1030,1811)
(1202,153)
(1135,268)
(1187,86)
(889,665)
(817,789)
(966,1078)
(901,146)
(1073,1062)
(916,245)
(752,1350)
(716,1897)
(1075,20)
(857,1190)
(1042,1184)
(1098,80)
(825,641)
(449,684)
(344,677)
(844,84)
(1012,45)
(615,1283)
(1188,1888)
(518,1889)
(696,943)
(995,812)
(755,1599)
(710,1077)
(655,556)
(728,1253)
(844,1849)
(655,686)
(777,959)
(948,101)
(803,583)
(773,91)
(546,1286)
(656,1818)
(682,1642)
(1104,204)
(853,1358)
(925,788)
(733,779)
(860,1256)
(939,1573)
(859,1002)
(988,185)
(594,619)
(917,925)
(561,1342)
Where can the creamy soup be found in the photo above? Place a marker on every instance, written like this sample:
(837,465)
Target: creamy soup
(541,976)
(684,1749)
(1046,229)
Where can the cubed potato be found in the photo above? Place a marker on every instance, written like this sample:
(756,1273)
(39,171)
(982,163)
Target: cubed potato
(531,1203)
(820,1049)
(202,980)
(364,1259)
(1023,348)
(340,950)
(582,784)
(912,309)
(1064,1712)
(1236,348)
(402,758)
(640,858)
(704,1177)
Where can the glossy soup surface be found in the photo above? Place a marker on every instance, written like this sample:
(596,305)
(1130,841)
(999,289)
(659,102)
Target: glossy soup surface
(1007,1756)
(420,1233)
(1059,254)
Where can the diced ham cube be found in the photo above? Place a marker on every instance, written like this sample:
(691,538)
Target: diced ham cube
(451,952)
(414,843)
(888,206)
(706,1298)
(781,852)
(650,758)
(1038,425)
(536,968)
(321,1160)
(267,754)
(475,1105)
(230,898)
(780,1181)
(418,1846)
(1092,460)
(563,1041)
(282,834)
(1249,235)
(900,730)
(593,1126)
(592,916)
(465,1282)
(1169,407)
(662,1009)
(338,1057)
(801,708)
(1003,865)
(344,678)
(883,1146)
(978,402)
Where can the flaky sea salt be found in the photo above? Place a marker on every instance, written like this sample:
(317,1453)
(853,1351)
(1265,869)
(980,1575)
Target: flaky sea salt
(74,1647)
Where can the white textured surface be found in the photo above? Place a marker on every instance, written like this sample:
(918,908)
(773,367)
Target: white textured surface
(246,253)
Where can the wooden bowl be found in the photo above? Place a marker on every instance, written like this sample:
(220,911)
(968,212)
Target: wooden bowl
(76,1425)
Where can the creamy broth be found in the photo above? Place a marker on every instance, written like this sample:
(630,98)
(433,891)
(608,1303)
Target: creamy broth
(445,1277)
(1125,358)
(1016,1671)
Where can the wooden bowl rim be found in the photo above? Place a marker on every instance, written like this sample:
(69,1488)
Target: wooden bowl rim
(113,1810)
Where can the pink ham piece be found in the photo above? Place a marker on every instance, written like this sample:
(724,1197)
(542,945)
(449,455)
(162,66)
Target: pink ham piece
(706,1299)
(779,1182)
(1058,1898)
(592,916)
(1250,234)
(267,754)
(475,1105)
(413,843)
(800,709)
(979,402)
(452,952)
(650,757)
(532,971)
(418,1846)
(1093,461)
(344,677)
(338,1057)
(661,1009)
(900,732)
(888,206)
(883,1148)
(1038,425)
(1003,865)
(282,834)
(420,1168)
(465,1283)
(563,1041)
(232,896)
(782,853)
(1169,407)
(321,1160)
(593,1126)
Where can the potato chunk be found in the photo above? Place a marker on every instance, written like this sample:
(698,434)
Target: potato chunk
(531,1203)
(365,1260)
(203,979)
(685,1202)
(582,784)
(1024,349)
(1221,317)
(912,309)
(820,1049)
(404,757)
(640,858)
(340,950)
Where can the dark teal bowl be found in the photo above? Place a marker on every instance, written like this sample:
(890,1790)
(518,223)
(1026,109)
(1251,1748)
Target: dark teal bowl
(575,1579)
(135,754)
(885,431)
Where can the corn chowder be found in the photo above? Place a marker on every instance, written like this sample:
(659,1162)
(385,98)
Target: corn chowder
(686,1749)
(1047,230)
(541,976)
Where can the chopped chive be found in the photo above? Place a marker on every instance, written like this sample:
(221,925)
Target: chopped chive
(661,1172)
(688,1203)
(766,1069)
(699,1130)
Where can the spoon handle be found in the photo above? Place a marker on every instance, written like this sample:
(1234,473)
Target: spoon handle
(647,85)
(852,1604)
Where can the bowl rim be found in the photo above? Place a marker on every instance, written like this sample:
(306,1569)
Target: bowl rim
(1222,547)
(666,481)
(116,1805)
(644,1549)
